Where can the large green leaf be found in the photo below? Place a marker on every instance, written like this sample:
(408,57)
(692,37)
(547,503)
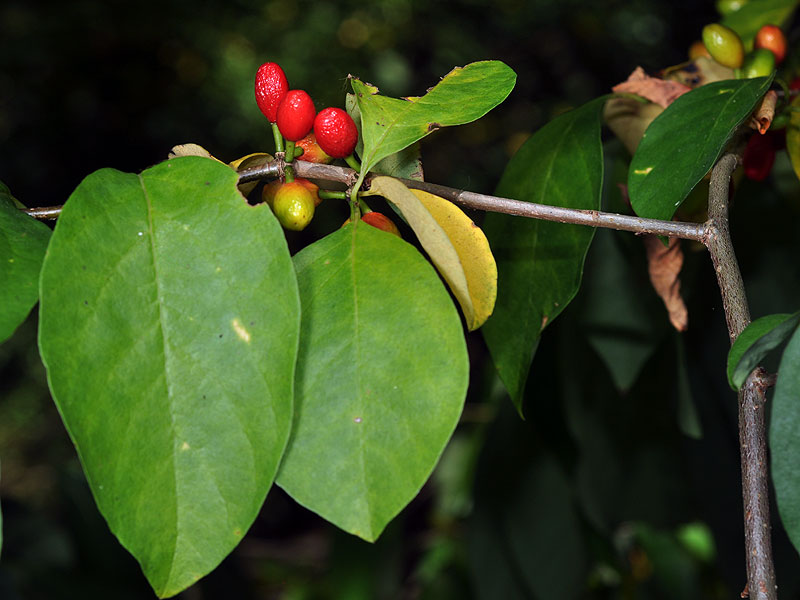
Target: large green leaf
(389,125)
(381,379)
(683,142)
(169,326)
(754,14)
(784,439)
(23,241)
(756,341)
(540,263)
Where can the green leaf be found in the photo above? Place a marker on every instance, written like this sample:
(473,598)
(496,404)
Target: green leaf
(456,246)
(754,14)
(793,136)
(540,263)
(756,341)
(23,241)
(381,379)
(405,164)
(784,439)
(169,328)
(465,94)
(683,143)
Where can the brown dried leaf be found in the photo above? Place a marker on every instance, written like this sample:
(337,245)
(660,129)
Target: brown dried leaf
(664,265)
(763,115)
(660,91)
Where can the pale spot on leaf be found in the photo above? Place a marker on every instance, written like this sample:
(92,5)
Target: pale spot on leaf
(643,171)
(185,446)
(240,330)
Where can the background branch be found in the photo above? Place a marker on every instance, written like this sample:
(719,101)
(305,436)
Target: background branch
(752,397)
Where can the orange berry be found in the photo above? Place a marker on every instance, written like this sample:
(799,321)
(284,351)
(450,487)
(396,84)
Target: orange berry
(772,38)
(311,150)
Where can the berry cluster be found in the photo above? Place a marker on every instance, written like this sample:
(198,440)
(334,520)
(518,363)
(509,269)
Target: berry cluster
(724,45)
(317,137)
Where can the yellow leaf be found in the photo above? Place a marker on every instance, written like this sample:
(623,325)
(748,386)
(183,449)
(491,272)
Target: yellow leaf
(257,159)
(190,150)
(457,247)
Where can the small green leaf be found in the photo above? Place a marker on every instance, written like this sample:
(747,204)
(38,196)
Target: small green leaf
(405,164)
(784,439)
(756,341)
(540,263)
(683,143)
(23,241)
(388,125)
(381,379)
(793,136)
(747,20)
(169,327)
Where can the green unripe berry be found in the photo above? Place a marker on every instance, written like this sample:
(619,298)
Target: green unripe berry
(724,45)
(726,7)
(293,205)
(759,63)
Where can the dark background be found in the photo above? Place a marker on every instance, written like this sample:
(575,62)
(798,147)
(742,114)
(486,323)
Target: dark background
(604,491)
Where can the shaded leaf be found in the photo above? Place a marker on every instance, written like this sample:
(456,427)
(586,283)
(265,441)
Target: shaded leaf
(619,311)
(540,263)
(457,246)
(757,340)
(664,265)
(793,136)
(381,380)
(629,119)
(169,326)
(754,14)
(23,241)
(465,94)
(784,439)
(684,141)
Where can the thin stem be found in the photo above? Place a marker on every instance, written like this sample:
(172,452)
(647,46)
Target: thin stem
(752,424)
(472,200)
(276,134)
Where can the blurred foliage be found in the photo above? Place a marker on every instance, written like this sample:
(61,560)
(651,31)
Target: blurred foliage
(600,488)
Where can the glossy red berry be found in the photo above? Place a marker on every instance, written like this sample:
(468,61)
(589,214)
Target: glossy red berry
(759,155)
(772,38)
(271,87)
(296,115)
(336,132)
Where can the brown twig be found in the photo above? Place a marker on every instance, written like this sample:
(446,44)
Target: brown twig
(752,397)
(593,218)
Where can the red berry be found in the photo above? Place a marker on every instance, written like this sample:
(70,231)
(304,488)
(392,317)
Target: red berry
(772,38)
(759,154)
(336,132)
(381,221)
(296,115)
(271,87)
(311,150)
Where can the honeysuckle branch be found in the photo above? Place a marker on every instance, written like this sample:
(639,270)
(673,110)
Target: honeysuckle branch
(714,234)
(752,418)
